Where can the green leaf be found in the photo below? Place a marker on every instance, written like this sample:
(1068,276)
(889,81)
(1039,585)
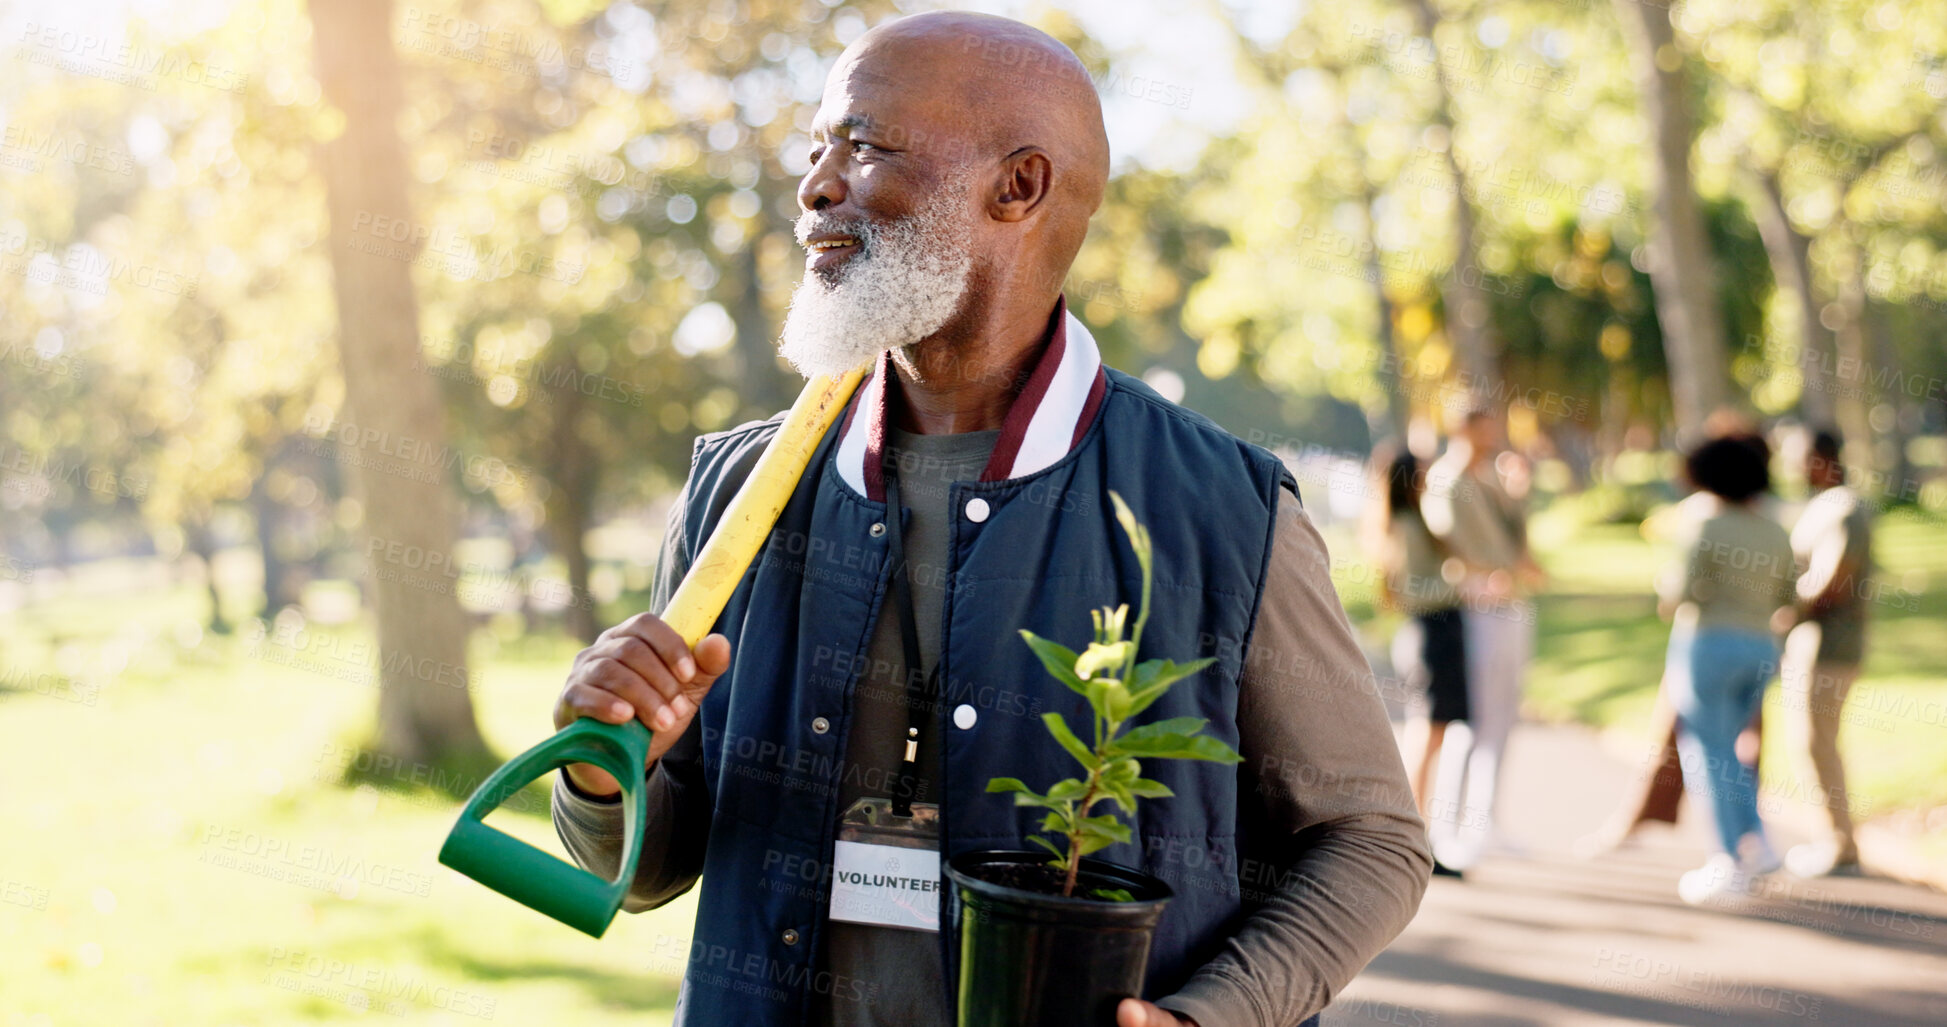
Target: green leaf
(1113,894)
(1092,844)
(1115,780)
(1105,826)
(1152,678)
(1098,695)
(1138,535)
(1116,702)
(1099,833)
(1059,728)
(1056,821)
(1057,658)
(1148,789)
(1172,726)
(1164,673)
(1140,701)
(1024,796)
(1061,858)
(1176,747)
(1206,748)
(1067,790)
(1120,770)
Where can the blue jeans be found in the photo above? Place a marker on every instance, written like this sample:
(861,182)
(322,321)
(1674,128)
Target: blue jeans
(1716,679)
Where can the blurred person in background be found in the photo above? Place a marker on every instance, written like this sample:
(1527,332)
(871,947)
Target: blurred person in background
(1833,545)
(1430,648)
(1658,794)
(1734,586)
(1469,507)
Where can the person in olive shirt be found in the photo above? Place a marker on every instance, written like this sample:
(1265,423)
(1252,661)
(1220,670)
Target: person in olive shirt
(1735,583)
(1833,543)
(1469,507)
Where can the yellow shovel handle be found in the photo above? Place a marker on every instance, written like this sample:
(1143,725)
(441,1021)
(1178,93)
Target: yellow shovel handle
(747,522)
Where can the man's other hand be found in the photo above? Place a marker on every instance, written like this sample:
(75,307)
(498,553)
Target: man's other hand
(641,670)
(1134,1012)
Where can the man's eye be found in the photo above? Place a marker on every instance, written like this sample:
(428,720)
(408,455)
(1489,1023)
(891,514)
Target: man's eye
(858,146)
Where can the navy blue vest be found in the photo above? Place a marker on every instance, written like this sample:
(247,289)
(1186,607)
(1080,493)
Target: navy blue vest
(1047,551)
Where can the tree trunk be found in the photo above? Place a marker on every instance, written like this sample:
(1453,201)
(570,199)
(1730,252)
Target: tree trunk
(764,386)
(1854,405)
(1399,408)
(1612,428)
(581,620)
(425,703)
(1682,274)
(1791,266)
(572,472)
(279,584)
(201,541)
(1469,320)
(1890,443)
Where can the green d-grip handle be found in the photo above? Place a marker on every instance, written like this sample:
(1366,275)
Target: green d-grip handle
(545,883)
(539,880)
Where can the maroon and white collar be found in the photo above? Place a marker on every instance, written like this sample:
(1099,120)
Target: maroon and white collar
(1052,412)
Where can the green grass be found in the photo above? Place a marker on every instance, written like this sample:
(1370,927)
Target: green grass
(125,799)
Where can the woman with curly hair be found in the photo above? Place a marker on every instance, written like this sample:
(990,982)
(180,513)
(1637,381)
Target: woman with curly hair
(1725,603)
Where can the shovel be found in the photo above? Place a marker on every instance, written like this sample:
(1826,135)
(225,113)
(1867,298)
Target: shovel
(543,882)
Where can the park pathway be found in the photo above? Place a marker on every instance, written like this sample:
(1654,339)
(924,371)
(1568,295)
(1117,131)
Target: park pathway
(1544,938)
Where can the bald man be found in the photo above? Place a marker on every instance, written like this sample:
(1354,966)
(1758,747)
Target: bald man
(817,758)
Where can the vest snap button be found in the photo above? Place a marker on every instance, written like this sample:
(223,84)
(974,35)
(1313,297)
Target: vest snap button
(963,714)
(878,528)
(790,936)
(976,510)
(820,725)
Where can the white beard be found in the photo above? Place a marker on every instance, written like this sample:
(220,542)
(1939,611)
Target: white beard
(904,283)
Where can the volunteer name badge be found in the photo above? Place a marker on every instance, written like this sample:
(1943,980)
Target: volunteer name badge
(886,868)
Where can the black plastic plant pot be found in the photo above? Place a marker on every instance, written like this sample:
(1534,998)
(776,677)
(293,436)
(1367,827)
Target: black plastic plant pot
(1030,957)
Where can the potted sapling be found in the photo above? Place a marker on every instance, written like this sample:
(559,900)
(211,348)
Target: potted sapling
(1051,936)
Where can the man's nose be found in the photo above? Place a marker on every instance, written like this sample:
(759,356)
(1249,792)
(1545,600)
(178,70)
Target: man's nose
(821,187)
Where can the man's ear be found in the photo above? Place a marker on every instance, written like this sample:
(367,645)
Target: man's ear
(1027,177)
